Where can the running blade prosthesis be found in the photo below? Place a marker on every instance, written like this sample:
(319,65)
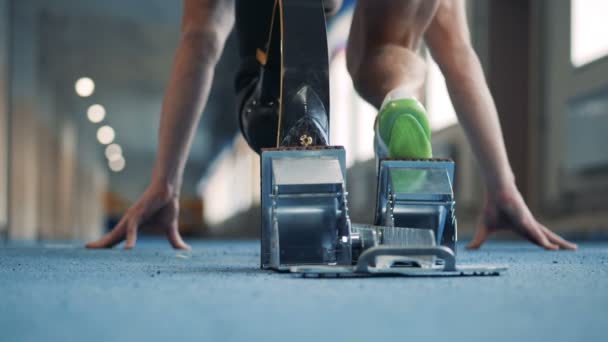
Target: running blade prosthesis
(306,227)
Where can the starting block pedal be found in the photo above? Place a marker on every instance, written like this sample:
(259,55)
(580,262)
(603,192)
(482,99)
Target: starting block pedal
(417,193)
(304,207)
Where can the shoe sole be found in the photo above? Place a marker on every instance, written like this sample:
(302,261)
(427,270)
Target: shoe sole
(404,125)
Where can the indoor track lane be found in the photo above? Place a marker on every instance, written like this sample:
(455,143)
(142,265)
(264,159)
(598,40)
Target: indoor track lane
(63,292)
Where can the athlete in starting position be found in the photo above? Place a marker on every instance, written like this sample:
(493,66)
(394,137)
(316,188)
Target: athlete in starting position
(387,72)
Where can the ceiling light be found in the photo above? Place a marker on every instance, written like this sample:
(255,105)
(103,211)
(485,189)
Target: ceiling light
(84,87)
(113,152)
(105,135)
(117,165)
(96,113)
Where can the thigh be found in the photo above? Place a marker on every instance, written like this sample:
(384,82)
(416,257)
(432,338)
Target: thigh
(389,22)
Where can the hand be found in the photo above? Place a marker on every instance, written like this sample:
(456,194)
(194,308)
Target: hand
(507,210)
(157,207)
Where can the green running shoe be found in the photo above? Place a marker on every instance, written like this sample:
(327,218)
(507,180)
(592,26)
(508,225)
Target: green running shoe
(402,130)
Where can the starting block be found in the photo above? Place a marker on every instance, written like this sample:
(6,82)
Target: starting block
(306,227)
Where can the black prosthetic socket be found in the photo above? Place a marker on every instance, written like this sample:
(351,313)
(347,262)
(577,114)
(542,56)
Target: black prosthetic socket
(257,86)
(299,75)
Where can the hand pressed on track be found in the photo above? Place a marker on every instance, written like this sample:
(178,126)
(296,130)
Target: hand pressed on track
(506,210)
(155,208)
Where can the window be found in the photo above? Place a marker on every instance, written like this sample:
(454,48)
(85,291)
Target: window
(588,31)
(233,185)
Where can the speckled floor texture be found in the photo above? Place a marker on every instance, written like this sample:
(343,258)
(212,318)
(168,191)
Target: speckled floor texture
(63,292)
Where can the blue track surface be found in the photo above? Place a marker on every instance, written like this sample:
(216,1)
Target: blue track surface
(217,293)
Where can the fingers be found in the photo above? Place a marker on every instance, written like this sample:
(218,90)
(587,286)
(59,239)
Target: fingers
(129,225)
(558,240)
(536,235)
(480,237)
(112,238)
(511,213)
(547,240)
(529,229)
(526,225)
(131,235)
(535,232)
(175,238)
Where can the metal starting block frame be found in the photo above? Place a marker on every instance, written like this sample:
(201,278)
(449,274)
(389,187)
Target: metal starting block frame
(304,207)
(306,228)
(418,193)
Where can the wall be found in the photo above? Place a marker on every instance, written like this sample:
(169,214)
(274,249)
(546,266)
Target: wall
(4,27)
(56,177)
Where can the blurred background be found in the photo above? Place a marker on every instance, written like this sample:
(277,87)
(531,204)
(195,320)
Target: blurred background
(82,81)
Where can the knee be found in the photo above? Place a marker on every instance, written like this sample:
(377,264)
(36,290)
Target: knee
(361,74)
(332,6)
(375,71)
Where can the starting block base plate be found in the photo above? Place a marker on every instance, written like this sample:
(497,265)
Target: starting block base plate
(349,271)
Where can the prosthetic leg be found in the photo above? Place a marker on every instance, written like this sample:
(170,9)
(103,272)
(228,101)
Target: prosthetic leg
(304,208)
(306,227)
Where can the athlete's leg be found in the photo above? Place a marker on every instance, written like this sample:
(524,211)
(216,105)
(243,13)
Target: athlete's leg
(387,71)
(384,38)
